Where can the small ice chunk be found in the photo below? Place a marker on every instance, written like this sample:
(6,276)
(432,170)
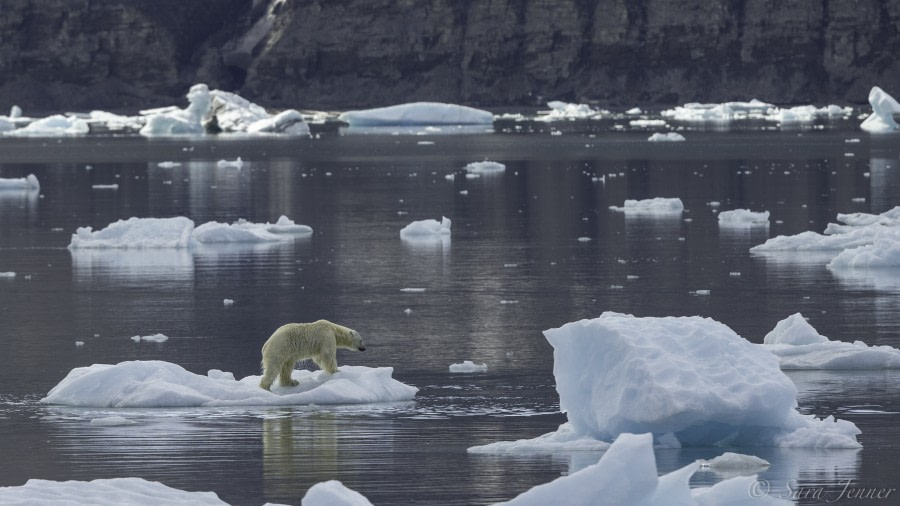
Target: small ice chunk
(28,183)
(155,338)
(111,421)
(468,366)
(584,239)
(237,164)
(408,311)
(412,290)
(884,107)
(485,167)
(730,461)
(7,275)
(648,123)
(743,218)
(701,292)
(333,493)
(79,343)
(168,165)
(566,111)
(228,302)
(113,186)
(426,229)
(654,206)
(667,137)
(794,330)
(634,110)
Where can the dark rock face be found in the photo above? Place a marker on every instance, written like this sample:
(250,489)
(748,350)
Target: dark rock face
(78,54)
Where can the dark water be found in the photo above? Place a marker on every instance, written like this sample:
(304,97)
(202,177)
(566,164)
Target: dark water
(515,238)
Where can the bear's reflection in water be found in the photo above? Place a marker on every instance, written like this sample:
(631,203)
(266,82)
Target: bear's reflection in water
(299,450)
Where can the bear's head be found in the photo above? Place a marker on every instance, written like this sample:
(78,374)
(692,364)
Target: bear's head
(357,341)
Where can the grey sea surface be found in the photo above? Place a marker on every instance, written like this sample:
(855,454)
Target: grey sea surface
(532,248)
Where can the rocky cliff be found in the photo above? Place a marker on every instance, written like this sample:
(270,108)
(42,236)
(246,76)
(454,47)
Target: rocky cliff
(79,54)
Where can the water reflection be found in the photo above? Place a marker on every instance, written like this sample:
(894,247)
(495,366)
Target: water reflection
(298,451)
(124,267)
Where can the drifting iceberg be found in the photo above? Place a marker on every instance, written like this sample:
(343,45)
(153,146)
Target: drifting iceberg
(29,183)
(655,206)
(689,380)
(52,126)
(425,229)
(741,218)
(884,107)
(104,492)
(799,346)
(667,137)
(418,113)
(565,111)
(485,167)
(157,384)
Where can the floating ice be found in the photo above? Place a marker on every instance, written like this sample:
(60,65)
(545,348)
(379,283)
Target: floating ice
(468,366)
(718,113)
(7,275)
(854,230)
(644,123)
(188,121)
(741,218)
(884,107)
(799,346)
(179,232)
(627,474)
(884,252)
(735,461)
(237,164)
(654,206)
(690,379)
(114,122)
(103,492)
(805,113)
(418,113)
(29,183)
(228,302)
(424,229)
(565,111)
(333,493)
(113,186)
(52,126)
(667,137)
(111,421)
(157,384)
(485,167)
(155,338)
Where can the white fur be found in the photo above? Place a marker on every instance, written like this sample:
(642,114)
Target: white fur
(298,341)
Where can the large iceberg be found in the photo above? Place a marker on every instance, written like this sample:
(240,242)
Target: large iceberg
(690,381)
(884,107)
(418,113)
(179,232)
(28,183)
(799,346)
(627,474)
(157,384)
(651,207)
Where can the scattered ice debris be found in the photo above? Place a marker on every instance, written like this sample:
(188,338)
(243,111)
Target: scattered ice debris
(666,137)
(717,113)
(157,384)
(565,111)
(729,461)
(468,366)
(103,492)
(155,338)
(333,493)
(485,167)
(237,164)
(654,206)
(884,107)
(111,421)
(743,218)
(418,113)
(799,346)
(734,274)
(52,126)
(424,229)
(179,232)
(29,183)
(692,377)
(806,113)
(113,186)
(228,302)
(412,290)
(627,474)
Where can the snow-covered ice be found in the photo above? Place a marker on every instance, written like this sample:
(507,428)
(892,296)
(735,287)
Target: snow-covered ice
(742,218)
(468,366)
(333,493)
(687,379)
(485,167)
(425,229)
(884,107)
(103,492)
(650,207)
(800,346)
(28,183)
(418,113)
(157,384)
(666,137)
(627,474)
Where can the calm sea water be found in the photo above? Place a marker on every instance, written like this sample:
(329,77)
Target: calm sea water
(514,268)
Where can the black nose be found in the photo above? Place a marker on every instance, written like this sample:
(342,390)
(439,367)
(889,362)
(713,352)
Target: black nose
(362,348)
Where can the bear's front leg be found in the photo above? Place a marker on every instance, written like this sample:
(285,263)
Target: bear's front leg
(327,363)
(285,378)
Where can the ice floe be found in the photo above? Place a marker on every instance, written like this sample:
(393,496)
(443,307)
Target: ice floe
(560,111)
(741,218)
(884,107)
(655,206)
(418,113)
(103,492)
(28,183)
(666,137)
(627,474)
(689,380)
(485,167)
(333,493)
(468,366)
(425,229)
(56,125)
(179,232)
(717,113)
(157,384)
(799,346)
(729,461)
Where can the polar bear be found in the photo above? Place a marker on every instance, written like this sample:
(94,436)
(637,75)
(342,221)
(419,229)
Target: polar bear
(297,341)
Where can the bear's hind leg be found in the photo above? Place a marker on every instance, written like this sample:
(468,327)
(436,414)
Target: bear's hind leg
(285,379)
(268,377)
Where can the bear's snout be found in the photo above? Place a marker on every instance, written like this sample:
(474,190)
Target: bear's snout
(362,348)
